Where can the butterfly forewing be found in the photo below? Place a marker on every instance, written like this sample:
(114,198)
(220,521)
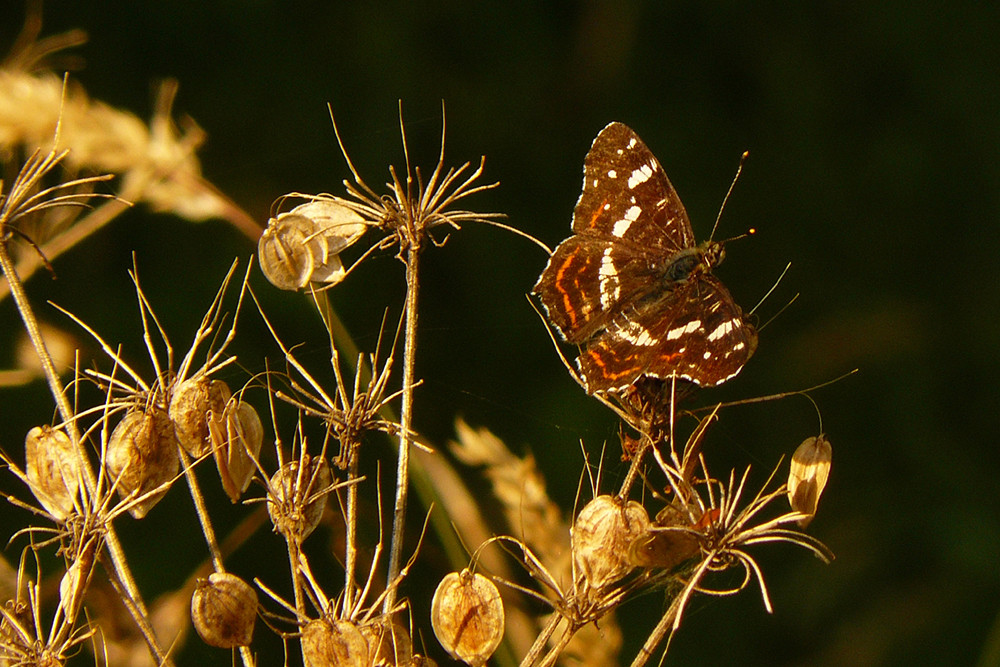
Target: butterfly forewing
(626,195)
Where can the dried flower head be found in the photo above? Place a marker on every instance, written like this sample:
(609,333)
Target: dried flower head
(224,609)
(467,616)
(53,470)
(327,643)
(602,534)
(408,214)
(237,435)
(142,457)
(807,476)
(297,495)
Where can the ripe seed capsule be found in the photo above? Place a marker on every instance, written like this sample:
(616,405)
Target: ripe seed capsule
(467,616)
(223,610)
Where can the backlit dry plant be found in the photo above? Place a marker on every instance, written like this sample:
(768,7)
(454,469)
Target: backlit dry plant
(125,437)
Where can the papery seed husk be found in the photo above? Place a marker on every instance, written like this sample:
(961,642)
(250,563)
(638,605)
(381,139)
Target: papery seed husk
(468,617)
(284,251)
(53,470)
(338,224)
(601,536)
(666,544)
(190,404)
(236,437)
(224,610)
(389,643)
(807,476)
(334,643)
(142,455)
(296,502)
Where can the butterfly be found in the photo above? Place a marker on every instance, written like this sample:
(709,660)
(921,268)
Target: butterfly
(632,287)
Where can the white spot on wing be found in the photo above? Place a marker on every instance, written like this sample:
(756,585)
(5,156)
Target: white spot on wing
(612,173)
(609,283)
(690,327)
(640,175)
(636,335)
(722,330)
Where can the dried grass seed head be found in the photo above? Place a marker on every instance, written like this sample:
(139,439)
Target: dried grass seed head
(223,610)
(142,456)
(468,617)
(334,643)
(601,536)
(53,469)
(297,495)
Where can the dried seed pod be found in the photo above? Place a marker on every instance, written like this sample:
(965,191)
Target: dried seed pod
(467,616)
(388,643)
(422,661)
(668,543)
(807,476)
(296,496)
(302,246)
(601,536)
(236,437)
(142,455)
(190,404)
(223,609)
(53,470)
(334,644)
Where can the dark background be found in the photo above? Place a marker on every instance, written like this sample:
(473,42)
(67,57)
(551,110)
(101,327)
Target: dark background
(874,139)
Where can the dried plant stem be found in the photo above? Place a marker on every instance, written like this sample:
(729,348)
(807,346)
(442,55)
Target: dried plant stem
(130,591)
(543,638)
(405,421)
(202,511)
(295,561)
(350,551)
(656,636)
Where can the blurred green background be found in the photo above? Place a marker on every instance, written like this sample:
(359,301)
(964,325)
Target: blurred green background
(874,139)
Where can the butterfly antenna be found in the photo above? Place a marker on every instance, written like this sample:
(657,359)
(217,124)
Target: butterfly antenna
(739,170)
(777,282)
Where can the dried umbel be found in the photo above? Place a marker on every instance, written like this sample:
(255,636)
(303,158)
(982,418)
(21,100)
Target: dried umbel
(602,535)
(142,455)
(302,247)
(236,436)
(190,404)
(388,643)
(334,644)
(297,496)
(223,609)
(807,476)
(53,469)
(467,616)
